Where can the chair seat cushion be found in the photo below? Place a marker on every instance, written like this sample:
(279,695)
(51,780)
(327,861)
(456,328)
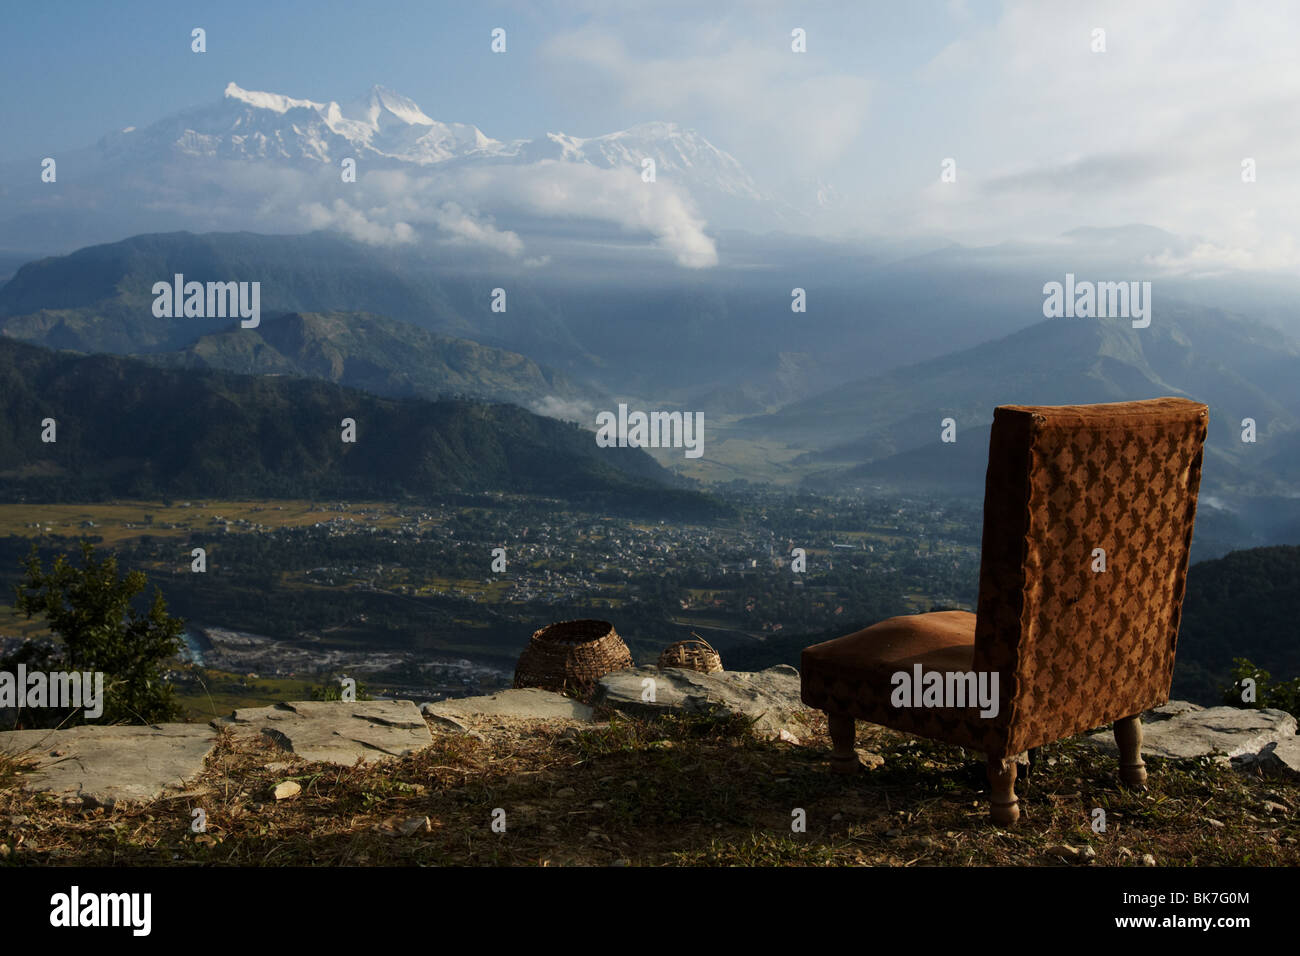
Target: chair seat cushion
(941,640)
(854,676)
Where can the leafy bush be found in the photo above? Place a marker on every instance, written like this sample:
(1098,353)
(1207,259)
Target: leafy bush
(1280,695)
(334,691)
(90,609)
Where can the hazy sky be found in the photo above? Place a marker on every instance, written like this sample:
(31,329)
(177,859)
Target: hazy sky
(1047,134)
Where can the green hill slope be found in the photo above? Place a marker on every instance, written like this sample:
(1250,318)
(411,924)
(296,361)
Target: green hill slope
(1241,605)
(375,354)
(125,428)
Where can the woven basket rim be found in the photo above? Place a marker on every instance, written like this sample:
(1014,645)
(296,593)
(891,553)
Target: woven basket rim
(692,653)
(579,631)
(692,640)
(571,655)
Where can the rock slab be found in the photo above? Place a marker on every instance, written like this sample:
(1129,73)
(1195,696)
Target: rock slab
(1281,758)
(335,731)
(525,702)
(1179,730)
(767,697)
(102,766)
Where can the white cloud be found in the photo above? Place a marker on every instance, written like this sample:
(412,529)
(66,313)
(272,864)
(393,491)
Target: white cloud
(347,219)
(461,206)
(463,228)
(771,102)
(1054,136)
(1048,135)
(568,410)
(558,189)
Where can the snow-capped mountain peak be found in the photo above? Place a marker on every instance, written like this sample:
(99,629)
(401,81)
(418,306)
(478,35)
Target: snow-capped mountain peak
(385,128)
(655,129)
(263,160)
(680,154)
(384,104)
(274,102)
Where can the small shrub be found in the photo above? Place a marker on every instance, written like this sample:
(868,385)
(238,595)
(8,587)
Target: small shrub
(1279,695)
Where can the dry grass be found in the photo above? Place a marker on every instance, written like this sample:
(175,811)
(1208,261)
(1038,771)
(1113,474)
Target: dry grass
(679,791)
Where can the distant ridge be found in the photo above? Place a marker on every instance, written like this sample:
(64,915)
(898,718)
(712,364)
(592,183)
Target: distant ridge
(125,428)
(376,354)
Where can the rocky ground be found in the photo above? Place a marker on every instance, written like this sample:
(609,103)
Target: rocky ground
(718,769)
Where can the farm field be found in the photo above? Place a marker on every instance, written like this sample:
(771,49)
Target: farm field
(117,522)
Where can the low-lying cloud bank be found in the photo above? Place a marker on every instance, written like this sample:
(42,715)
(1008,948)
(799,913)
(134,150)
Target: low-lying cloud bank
(467,207)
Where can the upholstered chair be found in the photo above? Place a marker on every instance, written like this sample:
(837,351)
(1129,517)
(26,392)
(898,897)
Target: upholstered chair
(1088,513)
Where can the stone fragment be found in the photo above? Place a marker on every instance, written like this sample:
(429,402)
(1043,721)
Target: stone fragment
(1203,731)
(523,702)
(286,790)
(101,766)
(767,697)
(407,826)
(1280,758)
(335,731)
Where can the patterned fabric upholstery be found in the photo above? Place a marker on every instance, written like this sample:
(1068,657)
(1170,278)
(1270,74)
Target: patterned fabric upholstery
(853,676)
(1074,647)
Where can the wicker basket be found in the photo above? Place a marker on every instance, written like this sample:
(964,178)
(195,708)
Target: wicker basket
(692,657)
(571,655)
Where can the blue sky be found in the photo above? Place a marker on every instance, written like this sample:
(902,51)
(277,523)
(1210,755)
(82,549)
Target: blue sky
(1048,134)
(75,70)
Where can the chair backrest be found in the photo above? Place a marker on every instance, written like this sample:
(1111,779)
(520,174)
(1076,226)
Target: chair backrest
(1088,513)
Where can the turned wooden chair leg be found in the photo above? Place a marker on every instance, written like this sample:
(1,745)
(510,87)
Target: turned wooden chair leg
(1002,790)
(844,758)
(1128,735)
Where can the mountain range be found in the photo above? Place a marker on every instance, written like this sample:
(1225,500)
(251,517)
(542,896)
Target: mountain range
(126,428)
(252,159)
(99,299)
(594,329)
(849,395)
(386,128)
(884,431)
(381,356)
(866,314)
(1240,366)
